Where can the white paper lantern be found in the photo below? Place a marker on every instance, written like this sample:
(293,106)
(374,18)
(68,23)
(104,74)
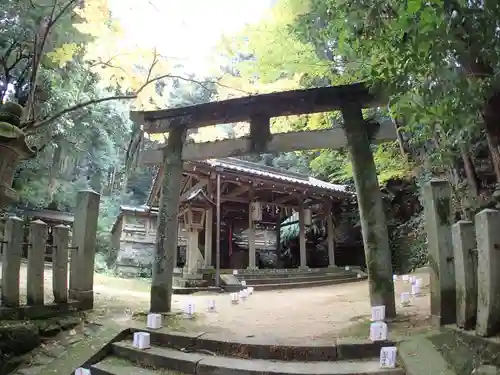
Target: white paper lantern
(235,272)
(82,371)
(211,305)
(256,211)
(189,310)
(153,321)
(142,340)
(388,357)
(307,216)
(347,268)
(243,283)
(415,290)
(243,294)
(378,331)
(378,313)
(405,299)
(235,298)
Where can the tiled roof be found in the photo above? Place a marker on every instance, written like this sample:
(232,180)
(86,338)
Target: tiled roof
(255,169)
(273,173)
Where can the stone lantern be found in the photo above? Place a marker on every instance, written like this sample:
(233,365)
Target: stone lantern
(13,149)
(194,218)
(256,211)
(193,215)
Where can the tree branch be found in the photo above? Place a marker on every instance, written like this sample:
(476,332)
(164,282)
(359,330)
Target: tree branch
(35,126)
(39,48)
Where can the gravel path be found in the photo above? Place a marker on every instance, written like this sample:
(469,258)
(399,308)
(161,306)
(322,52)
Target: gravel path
(314,313)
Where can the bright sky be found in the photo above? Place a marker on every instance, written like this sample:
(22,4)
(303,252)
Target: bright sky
(185,29)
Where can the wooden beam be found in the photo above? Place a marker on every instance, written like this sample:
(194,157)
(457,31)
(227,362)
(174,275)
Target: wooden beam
(282,142)
(247,201)
(239,190)
(286,198)
(296,102)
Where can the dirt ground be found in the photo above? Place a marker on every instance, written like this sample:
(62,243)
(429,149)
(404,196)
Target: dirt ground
(313,313)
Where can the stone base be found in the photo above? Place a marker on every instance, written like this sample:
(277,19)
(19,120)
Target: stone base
(84,297)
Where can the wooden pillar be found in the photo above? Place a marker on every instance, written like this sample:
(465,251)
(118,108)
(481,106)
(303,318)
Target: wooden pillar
(302,237)
(330,235)
(488,264)
(278,238)
(438,220)
(251,240)
(168,223)
(208,238)
(371,210)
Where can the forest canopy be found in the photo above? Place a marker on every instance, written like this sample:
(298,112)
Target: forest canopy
(68,63)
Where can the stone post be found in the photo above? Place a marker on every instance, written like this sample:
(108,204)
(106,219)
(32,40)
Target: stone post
(302,237)
(11,261)
(438,220)
(371,211)
(464,250)
(488,266)
(168,223)
(60,234)
(251,241)
(81,280)
(330,237)
(208,238)
(36,262)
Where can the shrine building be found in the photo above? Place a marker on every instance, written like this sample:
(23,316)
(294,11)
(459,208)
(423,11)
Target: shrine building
(254,200)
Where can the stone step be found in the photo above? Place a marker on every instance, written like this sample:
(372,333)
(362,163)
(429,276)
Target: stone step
(207,364)
(267,348)
(119,366)
(305,284)
(192,290)
(291,273)
(294,279)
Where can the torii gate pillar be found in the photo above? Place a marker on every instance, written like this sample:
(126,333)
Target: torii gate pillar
(371,211)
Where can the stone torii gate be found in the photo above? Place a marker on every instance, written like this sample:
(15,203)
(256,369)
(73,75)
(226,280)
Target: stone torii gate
(258,110)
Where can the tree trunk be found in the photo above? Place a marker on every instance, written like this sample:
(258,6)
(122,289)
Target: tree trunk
(371,211)
(166,235)
(470,171)
(495,155)
(54,170)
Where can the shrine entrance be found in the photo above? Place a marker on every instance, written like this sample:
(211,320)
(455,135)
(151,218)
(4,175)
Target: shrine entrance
(357,134)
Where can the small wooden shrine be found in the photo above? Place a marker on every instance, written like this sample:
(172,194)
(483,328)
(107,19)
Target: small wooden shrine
(254,200)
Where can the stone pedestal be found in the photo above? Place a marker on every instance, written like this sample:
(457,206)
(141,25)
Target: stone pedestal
(193,255)
(208,239)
